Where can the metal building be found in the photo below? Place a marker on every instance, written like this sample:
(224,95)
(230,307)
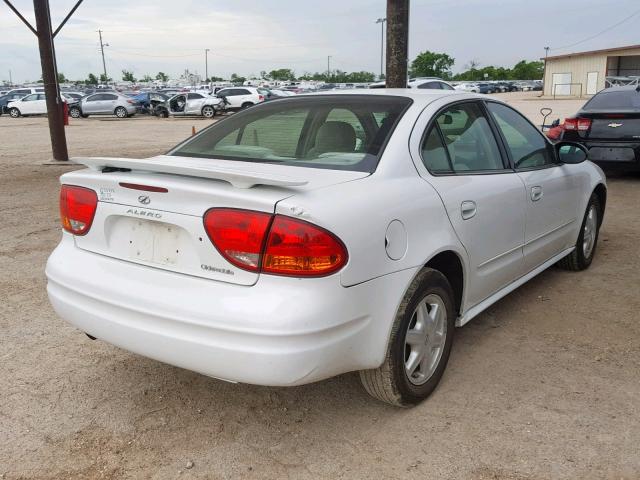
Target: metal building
(586,73)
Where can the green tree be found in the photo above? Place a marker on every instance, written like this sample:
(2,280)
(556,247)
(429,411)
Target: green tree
(147,78)
(61,78)
(282,74)
(91,79)
(127,76)
(432,64)
(163,77)
(235,78)
(524,70)
(104,78)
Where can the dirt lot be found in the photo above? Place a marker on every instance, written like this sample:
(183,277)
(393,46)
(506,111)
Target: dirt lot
(544,385)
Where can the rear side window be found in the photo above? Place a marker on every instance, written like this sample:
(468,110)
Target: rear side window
(194,96)
(445,86)
(430,85)
(341,132)
(106,96)
(526,144)
(615,100)
(463,134)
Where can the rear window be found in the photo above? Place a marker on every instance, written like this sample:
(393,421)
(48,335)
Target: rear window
(342,132)
(620,99)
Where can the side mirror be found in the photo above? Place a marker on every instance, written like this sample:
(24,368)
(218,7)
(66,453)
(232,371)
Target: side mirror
(571,153)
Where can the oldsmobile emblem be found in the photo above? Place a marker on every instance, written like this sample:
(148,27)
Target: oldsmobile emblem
(614,125)
(144,199)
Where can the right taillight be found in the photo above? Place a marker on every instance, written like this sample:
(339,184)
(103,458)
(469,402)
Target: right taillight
(580,124)
(299,248)
(77,208)
(275,244)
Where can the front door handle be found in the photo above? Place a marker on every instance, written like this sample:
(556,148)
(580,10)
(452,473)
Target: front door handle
(536,193)
(468,209)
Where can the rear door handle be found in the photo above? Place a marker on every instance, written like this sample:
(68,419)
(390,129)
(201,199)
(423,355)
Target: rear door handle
(468,209)
(536,193)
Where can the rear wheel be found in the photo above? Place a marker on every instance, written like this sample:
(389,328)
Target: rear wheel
(14,112)
(246,105)
(585,250)
(121,112)
(419,344)
(208,111)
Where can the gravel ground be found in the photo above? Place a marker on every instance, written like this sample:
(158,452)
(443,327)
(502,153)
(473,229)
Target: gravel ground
(544,385)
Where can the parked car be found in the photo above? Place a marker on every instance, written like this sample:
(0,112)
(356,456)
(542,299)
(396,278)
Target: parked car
(240,97)
(467,87)
(236,255)
(190,103)
(608,125)
(104,103)
(25,91)
(33,104)
(5,99)
(430,84)
(486,88)
(148,101)
(427,83)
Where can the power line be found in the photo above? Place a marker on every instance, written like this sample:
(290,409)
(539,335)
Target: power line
(599,33)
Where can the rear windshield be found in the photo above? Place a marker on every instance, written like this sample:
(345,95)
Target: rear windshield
(621,99)
(342,132)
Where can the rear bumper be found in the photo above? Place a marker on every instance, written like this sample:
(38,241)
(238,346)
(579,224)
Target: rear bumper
(280,331)
(609,161)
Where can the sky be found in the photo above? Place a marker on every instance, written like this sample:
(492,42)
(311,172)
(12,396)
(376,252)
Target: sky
(248,36)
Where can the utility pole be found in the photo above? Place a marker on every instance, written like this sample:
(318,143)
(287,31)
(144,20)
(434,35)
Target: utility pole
(381,21)
(544,72)
(45,35)
(10,80)
(50,79)
(328,67)
(397,43)
(206,64)
(104,65)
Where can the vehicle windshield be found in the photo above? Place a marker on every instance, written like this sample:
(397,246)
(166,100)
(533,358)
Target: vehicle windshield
(620,100)
(341,132)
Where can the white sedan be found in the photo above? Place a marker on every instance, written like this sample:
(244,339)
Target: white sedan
(34,104)
(322,234)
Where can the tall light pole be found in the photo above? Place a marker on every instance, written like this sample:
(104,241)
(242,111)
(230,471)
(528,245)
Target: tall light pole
(328,67)
(104,65)
(544,72)
(206,64)
(381,21)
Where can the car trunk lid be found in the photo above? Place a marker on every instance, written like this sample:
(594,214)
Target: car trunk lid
(150,212)
(612,126)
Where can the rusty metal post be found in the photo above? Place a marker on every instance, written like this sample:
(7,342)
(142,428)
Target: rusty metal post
(397,43)
(50,79)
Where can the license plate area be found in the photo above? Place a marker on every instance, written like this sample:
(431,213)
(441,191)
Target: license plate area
(612,154)
(155,242)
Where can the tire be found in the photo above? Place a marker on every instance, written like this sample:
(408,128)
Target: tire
(582,255)
(208,111)
(84,115)
(391,382)
(74,112)
(246,105)
(120,112)
(14,112)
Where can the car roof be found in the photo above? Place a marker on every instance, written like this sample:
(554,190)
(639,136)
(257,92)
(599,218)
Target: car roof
(424,96)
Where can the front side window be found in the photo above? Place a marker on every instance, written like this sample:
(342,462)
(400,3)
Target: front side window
(30,98)
(194,96)
(93,98)
(107,96)
(446,86)
(339,132)
(527,146)
(461,135)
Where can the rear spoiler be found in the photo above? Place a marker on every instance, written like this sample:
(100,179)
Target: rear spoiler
(239,176)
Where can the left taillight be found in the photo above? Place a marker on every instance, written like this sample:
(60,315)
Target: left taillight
(77,208)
